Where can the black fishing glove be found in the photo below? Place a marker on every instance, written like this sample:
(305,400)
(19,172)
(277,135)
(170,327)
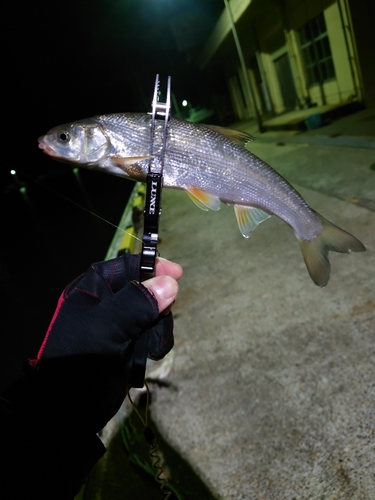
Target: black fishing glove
(86,350)
(103,310)
(79,379)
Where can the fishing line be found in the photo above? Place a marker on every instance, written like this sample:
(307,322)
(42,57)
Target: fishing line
(151,440)
(79,206)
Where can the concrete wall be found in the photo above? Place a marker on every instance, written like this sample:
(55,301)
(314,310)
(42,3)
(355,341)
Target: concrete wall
(361,26)
(270,69)
(344,88)
(236,97)
(339,89)
(276,30)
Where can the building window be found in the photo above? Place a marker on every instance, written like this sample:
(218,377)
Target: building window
(316,51)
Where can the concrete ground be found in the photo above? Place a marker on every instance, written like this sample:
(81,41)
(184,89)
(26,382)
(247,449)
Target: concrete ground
(270,388)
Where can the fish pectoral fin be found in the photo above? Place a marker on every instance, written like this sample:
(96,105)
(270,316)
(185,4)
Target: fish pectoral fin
(123,161)
(204,200)
(237,136)
(248,218)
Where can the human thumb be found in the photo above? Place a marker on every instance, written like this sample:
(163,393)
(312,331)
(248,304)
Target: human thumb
(164,289)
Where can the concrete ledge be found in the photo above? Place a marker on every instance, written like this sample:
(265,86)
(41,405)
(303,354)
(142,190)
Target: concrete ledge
(296,120)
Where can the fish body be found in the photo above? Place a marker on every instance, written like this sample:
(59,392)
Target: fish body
(211,164)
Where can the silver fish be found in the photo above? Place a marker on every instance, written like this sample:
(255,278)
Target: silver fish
(212,165)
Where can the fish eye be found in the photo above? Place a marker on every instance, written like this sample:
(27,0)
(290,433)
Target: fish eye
(64,137)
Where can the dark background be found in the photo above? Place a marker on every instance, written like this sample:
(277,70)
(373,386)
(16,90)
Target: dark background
(64,61)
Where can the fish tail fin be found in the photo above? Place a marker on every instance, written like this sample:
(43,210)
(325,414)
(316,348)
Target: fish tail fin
(315,252)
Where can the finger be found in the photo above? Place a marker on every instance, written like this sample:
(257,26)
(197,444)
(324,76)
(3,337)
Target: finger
(119,271)
(161,339)
(164,289)
(165,267)
(167,310)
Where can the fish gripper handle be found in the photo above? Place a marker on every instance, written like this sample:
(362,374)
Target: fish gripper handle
(151,225)
(147,271)
(154,183)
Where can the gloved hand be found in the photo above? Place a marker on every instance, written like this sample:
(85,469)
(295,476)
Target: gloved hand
(84,356)
(103,310)
(79,379)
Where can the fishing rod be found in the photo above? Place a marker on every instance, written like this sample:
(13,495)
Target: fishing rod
(152,212)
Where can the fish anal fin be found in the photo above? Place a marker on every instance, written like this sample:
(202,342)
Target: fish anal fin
(237,136)
(248,218)
(203,199)
(315,252)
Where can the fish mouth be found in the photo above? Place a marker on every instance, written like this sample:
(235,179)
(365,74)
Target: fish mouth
(45,148)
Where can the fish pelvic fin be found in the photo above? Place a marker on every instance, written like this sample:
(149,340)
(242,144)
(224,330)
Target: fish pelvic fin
(197,202)
(248,218)
(237,136)
(203,200)
(315,252)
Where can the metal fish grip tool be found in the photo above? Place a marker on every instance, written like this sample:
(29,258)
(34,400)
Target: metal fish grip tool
(152,211)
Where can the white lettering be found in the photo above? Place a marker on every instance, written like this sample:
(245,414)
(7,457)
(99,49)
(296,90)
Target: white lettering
(154,185)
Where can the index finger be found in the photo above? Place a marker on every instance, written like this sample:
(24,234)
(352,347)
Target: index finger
(164,267)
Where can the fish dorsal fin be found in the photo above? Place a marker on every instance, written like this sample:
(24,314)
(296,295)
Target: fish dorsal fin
(123,161)
(237,136)
(203,200)
(248,218)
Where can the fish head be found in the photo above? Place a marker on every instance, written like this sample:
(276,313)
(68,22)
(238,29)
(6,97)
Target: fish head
(84,143)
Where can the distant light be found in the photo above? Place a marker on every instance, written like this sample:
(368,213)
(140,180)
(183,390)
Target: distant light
(14,173)
(184,102)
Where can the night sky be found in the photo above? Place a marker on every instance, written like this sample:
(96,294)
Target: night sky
(70,60)
(64,61)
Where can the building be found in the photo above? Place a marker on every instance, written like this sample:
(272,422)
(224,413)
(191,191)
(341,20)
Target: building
(297,53)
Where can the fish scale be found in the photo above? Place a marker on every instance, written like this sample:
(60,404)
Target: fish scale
(212,165)
(234,188)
